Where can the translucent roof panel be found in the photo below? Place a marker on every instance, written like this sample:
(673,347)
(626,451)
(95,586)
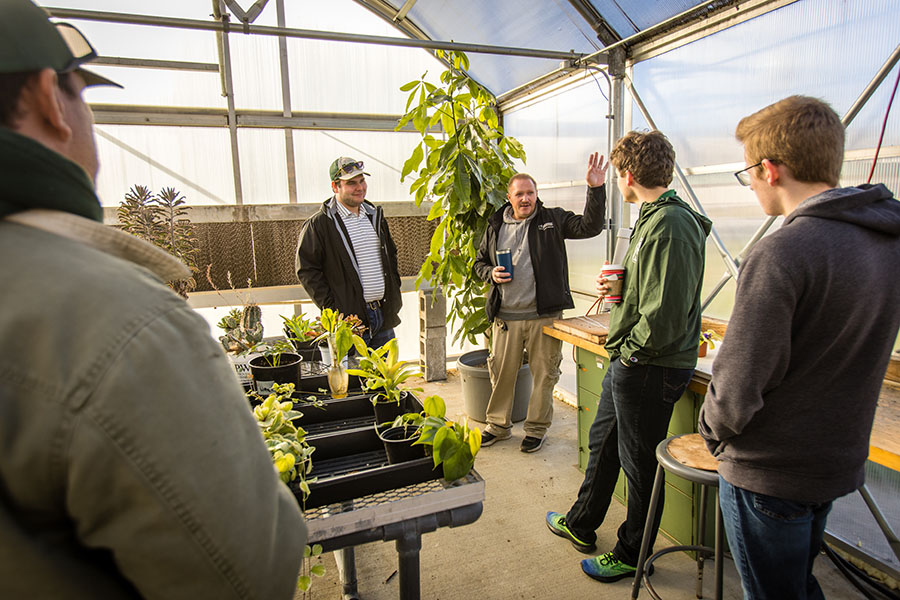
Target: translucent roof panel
(628,17)
(511,23)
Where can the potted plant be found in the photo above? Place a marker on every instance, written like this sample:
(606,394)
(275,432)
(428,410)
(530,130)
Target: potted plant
(302,333)
(161,219)
(453,444)
(276,363)
(291,456)
(384,373)
(337,330)
(708,340)
(242,328)
(465,175)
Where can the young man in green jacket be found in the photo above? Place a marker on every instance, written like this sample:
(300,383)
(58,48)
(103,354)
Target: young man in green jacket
(652,345)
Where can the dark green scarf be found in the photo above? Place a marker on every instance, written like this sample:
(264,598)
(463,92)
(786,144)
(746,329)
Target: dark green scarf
(33,176)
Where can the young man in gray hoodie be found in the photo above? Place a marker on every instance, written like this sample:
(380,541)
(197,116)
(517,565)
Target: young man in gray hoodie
(795,385)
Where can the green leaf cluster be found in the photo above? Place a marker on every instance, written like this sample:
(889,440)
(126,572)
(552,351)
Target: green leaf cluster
(161,219)
(464,174)
(454,444)
(302,329)
(272,351)
(286,442)
(338,331)
(305,580)
(383,370)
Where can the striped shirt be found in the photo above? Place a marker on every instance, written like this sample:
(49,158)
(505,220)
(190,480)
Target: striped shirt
(367,249)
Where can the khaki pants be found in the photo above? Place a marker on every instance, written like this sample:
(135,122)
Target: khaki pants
(510,339)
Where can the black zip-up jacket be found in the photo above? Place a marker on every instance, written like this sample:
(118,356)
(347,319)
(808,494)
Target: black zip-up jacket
(547,235)
(326,264)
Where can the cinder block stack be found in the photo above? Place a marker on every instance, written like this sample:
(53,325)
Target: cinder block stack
(433,334)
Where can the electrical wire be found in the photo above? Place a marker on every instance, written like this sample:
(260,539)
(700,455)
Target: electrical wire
(883,126)
(857,576)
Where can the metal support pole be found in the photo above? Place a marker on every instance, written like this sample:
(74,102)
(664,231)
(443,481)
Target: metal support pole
(408,546)
(885,527)
(228,91)
(730,263)
(873,85)
(616,131)
(286,105)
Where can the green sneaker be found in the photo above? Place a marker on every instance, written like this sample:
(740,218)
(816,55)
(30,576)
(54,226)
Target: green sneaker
(606,568)
(556,522)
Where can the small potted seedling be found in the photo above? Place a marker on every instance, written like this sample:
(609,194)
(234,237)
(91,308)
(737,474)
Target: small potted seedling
(276,363)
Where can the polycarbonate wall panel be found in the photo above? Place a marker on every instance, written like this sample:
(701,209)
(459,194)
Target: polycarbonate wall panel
(824,48)
(558,134)
(263,170)
(327,76)
(195,161)
(382,152)
(541,25)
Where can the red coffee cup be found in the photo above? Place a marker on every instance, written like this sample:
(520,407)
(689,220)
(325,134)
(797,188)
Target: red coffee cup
(615,277)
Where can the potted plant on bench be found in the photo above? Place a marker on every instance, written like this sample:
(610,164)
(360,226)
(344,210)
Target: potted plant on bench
(453,444)
(276,363)
(302,334)
(384,373)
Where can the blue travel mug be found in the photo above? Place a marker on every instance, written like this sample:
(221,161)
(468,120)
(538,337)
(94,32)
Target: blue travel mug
(504,259)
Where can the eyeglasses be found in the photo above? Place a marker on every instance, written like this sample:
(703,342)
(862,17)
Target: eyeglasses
(350,167)
(743,176)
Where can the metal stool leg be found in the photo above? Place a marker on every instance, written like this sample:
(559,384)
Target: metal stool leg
(720,549)
(658,482)
(701,538)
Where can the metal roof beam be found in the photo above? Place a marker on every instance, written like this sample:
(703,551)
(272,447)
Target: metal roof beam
(170,116)
(596,22)
(147,63)
(194,24)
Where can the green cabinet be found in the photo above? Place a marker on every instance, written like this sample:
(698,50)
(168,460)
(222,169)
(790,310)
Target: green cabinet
(682,504)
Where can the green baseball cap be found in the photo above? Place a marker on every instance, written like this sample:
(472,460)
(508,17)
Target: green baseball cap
(346,168)
(30,42)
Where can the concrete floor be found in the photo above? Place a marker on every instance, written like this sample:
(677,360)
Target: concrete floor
(509,553)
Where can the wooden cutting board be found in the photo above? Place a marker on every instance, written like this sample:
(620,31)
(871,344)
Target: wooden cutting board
(592,328)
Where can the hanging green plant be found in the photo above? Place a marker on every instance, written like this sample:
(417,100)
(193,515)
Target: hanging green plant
(464,175)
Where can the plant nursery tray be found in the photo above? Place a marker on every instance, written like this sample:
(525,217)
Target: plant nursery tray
(349,461)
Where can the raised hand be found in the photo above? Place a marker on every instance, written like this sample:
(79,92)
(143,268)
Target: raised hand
(596,173)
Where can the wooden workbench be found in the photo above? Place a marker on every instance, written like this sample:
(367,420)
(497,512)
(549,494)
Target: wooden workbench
(589,333)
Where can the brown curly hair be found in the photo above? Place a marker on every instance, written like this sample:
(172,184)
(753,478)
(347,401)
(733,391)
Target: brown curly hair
(648,155)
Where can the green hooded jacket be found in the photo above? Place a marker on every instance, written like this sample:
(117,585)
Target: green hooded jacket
(658,320)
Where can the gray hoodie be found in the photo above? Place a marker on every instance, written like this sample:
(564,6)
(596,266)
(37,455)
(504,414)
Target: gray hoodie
(795,384)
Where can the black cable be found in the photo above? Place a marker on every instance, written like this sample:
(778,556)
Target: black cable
(855,575)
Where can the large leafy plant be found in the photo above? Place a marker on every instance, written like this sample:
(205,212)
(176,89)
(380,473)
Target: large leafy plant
(383,370)
(161,219)
(465,174)
(453,443)
(338,330)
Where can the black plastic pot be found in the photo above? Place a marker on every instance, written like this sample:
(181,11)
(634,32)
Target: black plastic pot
(398,444)
(386,412)
(288,371)
(309,350)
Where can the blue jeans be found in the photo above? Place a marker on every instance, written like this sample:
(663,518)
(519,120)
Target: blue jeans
(774,542)
(375,336)
(632,418)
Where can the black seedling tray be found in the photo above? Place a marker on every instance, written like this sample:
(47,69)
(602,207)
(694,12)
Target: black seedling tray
(350,461)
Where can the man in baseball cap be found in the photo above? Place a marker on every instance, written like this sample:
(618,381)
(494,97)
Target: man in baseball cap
(30,43)
(346,258)
(116,399)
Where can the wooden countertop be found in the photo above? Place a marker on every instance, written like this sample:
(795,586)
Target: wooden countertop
(884,445)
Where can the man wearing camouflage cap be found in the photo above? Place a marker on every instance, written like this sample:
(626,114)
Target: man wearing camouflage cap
(130,466)
(346,259)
